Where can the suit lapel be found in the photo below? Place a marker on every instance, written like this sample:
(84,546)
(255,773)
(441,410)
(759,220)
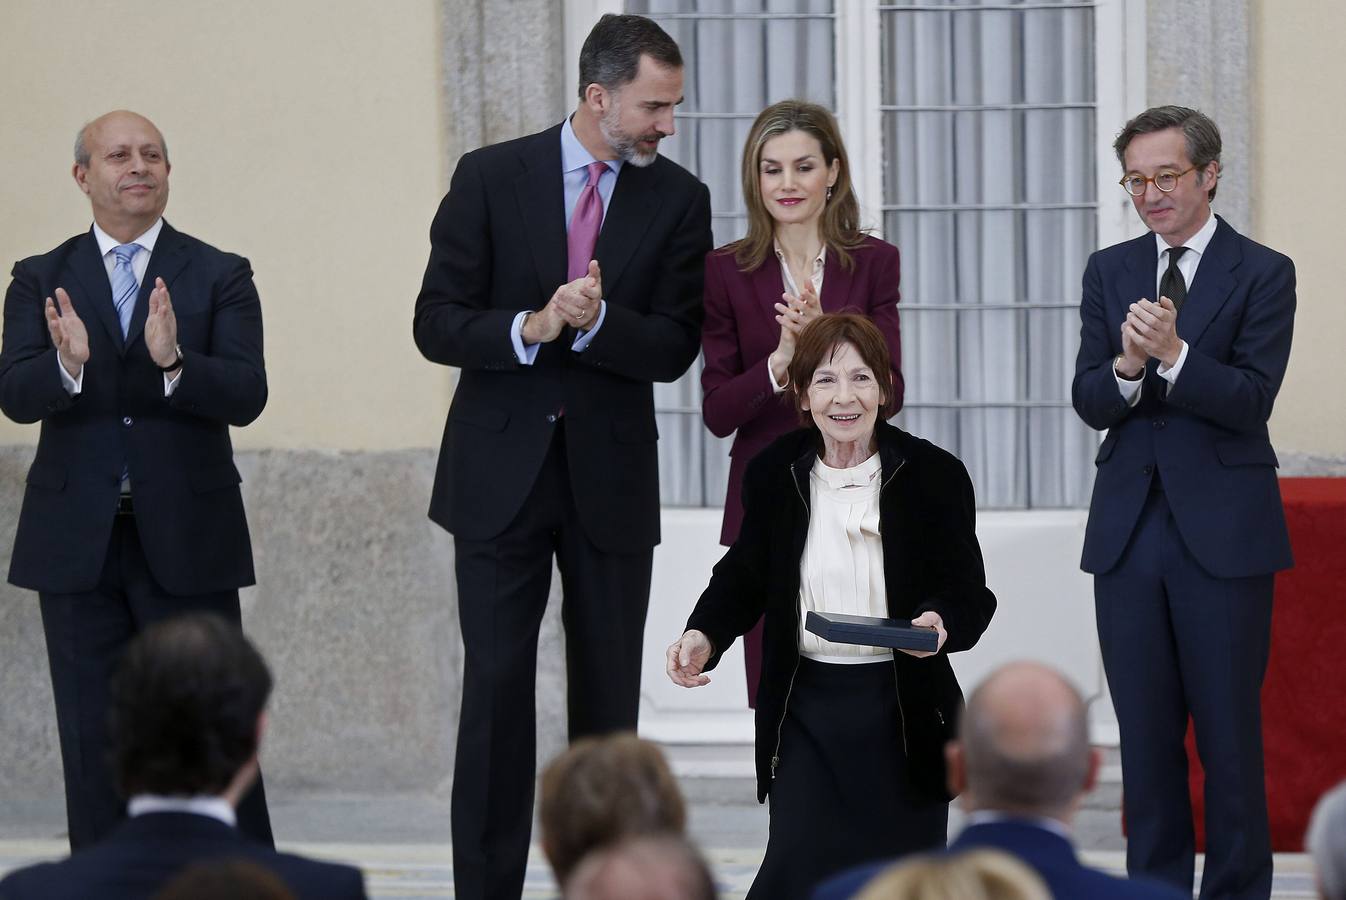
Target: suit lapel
(767,289)
(1213,284)
(635,202)
(837,283)
(167,260)
(541,198)
(93,300)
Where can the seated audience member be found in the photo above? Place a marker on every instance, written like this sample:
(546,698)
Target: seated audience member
(1023,763)
(603,789)
(187,712)
(976,875)
(1326,843)
(647,867)
(232,879)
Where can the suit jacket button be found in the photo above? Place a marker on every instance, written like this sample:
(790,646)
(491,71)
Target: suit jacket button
(127,421)
(551,417)
(1159,423)
(1148,470)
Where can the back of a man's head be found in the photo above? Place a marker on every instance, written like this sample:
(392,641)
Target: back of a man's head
(1024,742)
(186,701)
(1326,843)
(652,867)
(601,790)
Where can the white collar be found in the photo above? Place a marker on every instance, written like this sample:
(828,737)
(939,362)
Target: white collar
(210,805)
(818,261)
(107,242)
(1197,243)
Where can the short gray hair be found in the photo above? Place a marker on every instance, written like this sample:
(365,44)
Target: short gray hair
(82,155)
(1326,842)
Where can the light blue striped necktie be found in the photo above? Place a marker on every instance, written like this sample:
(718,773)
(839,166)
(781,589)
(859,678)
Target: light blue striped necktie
(124,284)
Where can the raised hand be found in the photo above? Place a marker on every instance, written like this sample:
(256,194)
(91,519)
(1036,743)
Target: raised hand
(161,327)
(67,331)
(1154,329)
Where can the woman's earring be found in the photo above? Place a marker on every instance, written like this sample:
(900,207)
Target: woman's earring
(829,193)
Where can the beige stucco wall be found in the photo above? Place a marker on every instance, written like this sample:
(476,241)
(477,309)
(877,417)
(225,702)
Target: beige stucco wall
(1300,185)
(304,134)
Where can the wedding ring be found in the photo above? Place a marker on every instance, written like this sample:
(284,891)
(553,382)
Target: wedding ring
(580,314)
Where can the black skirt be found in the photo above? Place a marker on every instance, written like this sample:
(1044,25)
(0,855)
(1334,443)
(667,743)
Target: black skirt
(841,795)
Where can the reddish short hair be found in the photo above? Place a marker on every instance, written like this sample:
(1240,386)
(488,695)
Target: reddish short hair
(819,341)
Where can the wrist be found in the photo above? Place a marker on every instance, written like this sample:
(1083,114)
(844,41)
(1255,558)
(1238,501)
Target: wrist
(174,363)
(1125,369)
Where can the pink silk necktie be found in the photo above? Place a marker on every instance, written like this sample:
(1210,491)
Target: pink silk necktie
(584,224)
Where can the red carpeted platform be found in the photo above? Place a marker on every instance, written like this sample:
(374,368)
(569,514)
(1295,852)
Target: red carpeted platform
(1304,696)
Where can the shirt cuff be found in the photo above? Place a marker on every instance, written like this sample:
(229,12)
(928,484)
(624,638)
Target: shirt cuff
(525,353)
(1171,375)
(771,377)
(171,382)
(584,338)
(73,386)
(1130,390)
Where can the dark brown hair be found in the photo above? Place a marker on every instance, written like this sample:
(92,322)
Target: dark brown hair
(839,226)
(1198,130)
(601,790)
(819,342)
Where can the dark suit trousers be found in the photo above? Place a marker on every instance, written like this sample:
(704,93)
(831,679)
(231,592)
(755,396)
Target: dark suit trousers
(502,593)
(1178,641)
(85,635)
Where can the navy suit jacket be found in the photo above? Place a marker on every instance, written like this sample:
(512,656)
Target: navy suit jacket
(498,247)
(189,510)
(1045,852)
(1206,438)
(741,332)
(146,852)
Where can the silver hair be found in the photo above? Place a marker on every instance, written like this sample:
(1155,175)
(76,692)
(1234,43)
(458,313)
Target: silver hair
(1326,842)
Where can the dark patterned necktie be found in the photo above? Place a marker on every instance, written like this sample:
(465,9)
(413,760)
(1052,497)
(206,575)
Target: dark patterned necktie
(1173,285)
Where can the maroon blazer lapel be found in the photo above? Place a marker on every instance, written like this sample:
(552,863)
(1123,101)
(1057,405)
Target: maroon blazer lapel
(837,282)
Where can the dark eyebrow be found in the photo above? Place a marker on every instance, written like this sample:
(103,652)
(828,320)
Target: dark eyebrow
(805,158)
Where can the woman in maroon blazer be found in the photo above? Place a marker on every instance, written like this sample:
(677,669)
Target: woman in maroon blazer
(804,254)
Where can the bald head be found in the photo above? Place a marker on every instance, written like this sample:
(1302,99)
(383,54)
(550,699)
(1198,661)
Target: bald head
(1024,743)
(121,164)
(82,139)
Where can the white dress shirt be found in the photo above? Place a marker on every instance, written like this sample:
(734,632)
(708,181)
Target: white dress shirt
(841,570)
(1187,265)
(575,162)
(788,282)
(140,263)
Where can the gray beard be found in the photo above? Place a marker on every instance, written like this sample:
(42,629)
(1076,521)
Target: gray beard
(623,144)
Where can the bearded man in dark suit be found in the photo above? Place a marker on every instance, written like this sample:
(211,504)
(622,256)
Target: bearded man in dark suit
(564,279)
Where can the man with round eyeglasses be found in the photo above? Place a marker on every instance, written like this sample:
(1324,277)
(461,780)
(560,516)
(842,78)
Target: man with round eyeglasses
(1185,335)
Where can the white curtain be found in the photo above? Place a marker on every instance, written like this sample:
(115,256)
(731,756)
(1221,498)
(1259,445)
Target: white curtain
(988,191)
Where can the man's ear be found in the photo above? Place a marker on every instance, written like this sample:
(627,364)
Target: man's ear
(1091,774)
(80,174)
(263,722)
(956,767)
(597,98)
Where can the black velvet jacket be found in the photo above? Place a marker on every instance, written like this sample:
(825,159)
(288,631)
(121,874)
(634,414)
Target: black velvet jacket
(931,561)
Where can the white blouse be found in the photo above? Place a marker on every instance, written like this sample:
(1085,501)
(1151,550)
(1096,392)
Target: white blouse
(842,567)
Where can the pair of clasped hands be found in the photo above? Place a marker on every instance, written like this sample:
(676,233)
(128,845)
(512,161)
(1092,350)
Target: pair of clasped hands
(576,303)
(1150,330)
(71,338)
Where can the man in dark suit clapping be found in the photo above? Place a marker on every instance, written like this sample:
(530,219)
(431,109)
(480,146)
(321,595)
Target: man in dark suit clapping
(188,708)
(136,347)
(565,278)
